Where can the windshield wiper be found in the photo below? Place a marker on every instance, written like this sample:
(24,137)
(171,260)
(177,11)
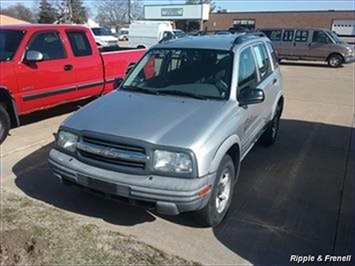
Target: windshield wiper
(182,93)
(139,89)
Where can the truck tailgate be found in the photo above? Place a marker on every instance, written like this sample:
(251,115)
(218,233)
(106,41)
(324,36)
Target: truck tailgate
(116,63)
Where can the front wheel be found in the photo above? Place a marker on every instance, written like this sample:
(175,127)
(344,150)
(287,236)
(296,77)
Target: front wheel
(335,61)
(4,123)
(221,196)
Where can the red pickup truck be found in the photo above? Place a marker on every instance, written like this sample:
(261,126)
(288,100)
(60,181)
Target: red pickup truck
(46,65)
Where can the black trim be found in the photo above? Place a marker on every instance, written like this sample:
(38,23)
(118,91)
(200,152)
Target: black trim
(89,85)
(47,93)
(39,95)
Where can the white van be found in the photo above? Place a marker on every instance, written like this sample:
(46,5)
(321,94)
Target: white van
(148,33)
(104,37)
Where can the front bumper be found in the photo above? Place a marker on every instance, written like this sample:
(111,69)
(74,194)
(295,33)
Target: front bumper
(349,59)
(167,195)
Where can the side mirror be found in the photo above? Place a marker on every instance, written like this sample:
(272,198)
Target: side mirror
(117,83)
(250,96)
(34,56)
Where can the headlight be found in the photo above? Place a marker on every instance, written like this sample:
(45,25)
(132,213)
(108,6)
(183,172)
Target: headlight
(67,141)
(175,162)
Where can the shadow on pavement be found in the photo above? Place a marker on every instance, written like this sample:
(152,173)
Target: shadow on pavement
(287,198)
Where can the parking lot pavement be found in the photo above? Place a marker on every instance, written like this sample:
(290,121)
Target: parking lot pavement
(295,198)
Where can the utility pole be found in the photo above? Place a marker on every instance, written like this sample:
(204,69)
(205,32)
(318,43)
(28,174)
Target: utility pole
(129,12)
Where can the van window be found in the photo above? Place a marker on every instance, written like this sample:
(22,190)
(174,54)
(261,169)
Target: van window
(301,36)
(79,43)
(274,35)
(49,44)
(320,37)
(273,53)
(247,76)
(263,60)
(288,36)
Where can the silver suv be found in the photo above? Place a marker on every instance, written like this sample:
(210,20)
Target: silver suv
(172,136)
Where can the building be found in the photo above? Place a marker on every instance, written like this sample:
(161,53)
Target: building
(185,17)
(6,20)
(341,22)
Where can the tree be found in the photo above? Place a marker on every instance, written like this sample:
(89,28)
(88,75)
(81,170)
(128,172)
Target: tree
(19,11)
(47,13)
(72,11)
(197,2)
(118,13)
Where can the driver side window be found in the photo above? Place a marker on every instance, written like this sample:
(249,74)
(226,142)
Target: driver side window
(247,76)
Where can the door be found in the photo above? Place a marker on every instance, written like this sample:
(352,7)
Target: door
(344,27)
(87,65)
(47,82)
(301,44)
(248,78)
(286,46)
(321,46)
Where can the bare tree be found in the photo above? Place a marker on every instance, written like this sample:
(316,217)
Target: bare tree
(116,13)
(20,11)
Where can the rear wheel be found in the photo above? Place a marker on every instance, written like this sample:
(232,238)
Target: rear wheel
(270,135)
(221,196)
(335,60)
(5,123)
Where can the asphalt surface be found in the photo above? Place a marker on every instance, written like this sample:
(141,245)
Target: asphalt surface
(295,198)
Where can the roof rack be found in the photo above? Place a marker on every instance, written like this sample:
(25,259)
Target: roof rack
(247,36)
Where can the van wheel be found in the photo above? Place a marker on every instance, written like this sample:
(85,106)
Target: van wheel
(221,196)
(335,60)
(5,123)
(270,135)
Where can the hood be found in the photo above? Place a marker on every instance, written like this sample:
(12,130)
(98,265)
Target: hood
(164,120)
(106,38)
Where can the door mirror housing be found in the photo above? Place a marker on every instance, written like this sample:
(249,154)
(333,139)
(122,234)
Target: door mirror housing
(34,56)
(117,83)
(251,96)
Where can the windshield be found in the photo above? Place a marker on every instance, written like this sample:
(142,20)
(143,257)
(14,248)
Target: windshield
(101,32)
(179,33)
(335,37)
(197,73)
(9,43)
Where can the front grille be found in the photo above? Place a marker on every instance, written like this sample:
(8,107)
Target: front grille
(113,153)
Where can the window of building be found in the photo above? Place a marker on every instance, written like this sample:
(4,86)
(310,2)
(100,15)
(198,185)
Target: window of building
(301,36)
(288,36)
(79,43)
(49,44)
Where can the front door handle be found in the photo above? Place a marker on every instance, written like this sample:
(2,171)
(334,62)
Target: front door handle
(68,67)
(275,81)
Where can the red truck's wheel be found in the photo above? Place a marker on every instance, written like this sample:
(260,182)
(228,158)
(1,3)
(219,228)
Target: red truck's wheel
(4,123)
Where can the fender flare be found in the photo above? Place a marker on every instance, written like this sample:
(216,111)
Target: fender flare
(278,98)
(13,108)
(222,150)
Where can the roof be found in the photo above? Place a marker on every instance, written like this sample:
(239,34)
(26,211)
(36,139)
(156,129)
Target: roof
(43,26)
(212,42)
(6,20)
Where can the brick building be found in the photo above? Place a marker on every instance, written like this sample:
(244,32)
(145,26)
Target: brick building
(339,21)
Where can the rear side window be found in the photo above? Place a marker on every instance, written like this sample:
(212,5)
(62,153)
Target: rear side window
(273,53)
(247,76)
(49,44)
(79,43)
(301,36)
(274,35)
(288,36)
(263,60)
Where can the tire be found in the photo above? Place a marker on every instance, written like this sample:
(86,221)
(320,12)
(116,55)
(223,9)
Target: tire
(335,60)
(213,213)
(270,135)
(5,123)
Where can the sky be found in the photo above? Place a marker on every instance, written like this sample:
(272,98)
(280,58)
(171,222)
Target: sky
(239,5)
